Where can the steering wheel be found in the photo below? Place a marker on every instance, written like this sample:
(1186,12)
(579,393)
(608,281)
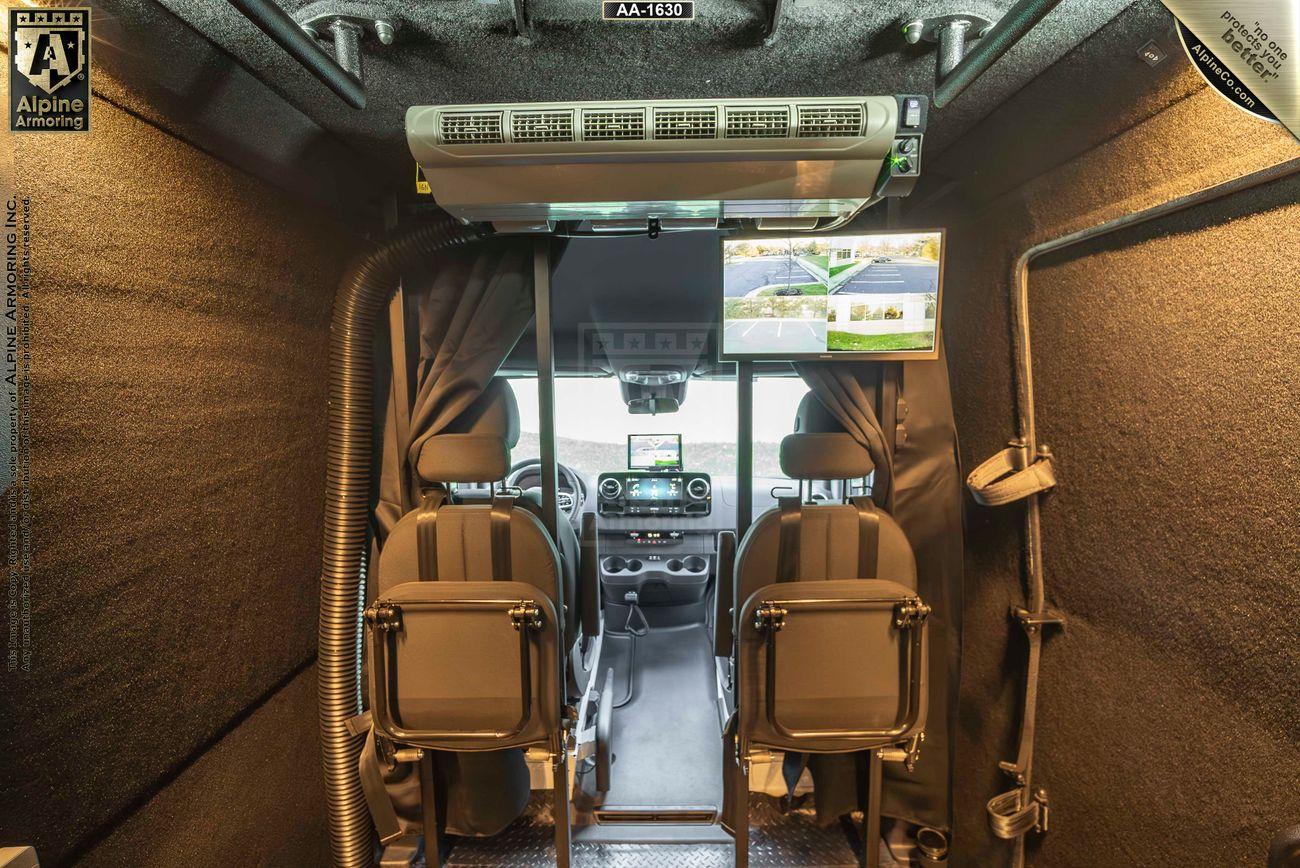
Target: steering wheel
(571,494)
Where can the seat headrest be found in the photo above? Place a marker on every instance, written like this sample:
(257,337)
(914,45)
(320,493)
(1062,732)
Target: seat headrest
(476,446)
(824,456)
(820,448)
(464,458)
(812,417)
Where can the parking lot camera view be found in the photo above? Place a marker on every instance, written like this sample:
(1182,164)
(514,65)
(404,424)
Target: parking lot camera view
(789,297)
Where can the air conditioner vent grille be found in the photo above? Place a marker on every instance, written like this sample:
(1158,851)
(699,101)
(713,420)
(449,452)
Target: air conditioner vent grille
(541,126)
(602,125)
(691,123)
(758,123)
(829,121)
(471,128)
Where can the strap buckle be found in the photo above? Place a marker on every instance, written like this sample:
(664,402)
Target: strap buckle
(1012,475)
(910,613)
(769,617)
(1032,622)
(907,754)
(526,615)
(384,617)
(1010,817)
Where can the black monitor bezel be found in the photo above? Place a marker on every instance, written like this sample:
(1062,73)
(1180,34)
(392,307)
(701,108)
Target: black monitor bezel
(680,457)
(893,355)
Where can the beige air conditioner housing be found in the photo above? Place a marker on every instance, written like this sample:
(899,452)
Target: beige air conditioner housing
(683,162)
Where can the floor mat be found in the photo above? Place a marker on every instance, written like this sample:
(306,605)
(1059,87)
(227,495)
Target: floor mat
(777,840)
(667,741)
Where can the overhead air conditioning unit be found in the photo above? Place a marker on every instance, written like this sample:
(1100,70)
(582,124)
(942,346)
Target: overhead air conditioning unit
(788,163)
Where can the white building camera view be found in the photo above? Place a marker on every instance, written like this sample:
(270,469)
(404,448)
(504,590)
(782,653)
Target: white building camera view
(860,294)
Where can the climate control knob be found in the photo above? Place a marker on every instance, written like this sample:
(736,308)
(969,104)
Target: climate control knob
(698,488)
(610,488)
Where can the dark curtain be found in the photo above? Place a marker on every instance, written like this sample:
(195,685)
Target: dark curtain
(477,305)
(849,390)
(923,491)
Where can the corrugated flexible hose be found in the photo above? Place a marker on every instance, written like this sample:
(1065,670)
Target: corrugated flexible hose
(363,294)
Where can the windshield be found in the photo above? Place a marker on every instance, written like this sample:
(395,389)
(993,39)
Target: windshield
(592,424)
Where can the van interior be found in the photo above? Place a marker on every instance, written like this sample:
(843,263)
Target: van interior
(511,433)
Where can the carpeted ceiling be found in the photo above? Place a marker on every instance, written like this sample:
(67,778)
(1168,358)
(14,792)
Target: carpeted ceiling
(465,51)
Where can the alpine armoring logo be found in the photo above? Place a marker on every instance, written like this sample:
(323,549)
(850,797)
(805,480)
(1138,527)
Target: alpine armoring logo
(1218,76)
(49,79)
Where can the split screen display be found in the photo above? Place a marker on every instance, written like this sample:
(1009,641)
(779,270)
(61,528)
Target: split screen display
(875,295)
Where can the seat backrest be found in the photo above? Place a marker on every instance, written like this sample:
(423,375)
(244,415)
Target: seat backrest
(828,549)
(450,625)
(828,544)
(475,447)
(838,573)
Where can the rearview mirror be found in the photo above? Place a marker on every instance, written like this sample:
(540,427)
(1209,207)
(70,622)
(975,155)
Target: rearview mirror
(652,406)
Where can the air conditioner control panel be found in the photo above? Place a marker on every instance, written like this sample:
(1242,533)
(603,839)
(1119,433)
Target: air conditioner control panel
(632,492)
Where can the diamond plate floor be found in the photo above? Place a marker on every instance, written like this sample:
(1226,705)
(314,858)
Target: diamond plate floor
(777,840)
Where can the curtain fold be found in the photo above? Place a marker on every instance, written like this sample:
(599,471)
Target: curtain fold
(471,315)
(849,391)
(921,487)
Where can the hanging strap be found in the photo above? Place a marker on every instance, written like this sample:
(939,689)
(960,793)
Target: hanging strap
(868,538)
(1010,476)
(1005,478)
(426,533)
(787,556)
(381,808)
(503,507)
(401,390)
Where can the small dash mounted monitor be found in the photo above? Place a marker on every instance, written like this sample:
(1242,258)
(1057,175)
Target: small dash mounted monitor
(873,295)
(654,452)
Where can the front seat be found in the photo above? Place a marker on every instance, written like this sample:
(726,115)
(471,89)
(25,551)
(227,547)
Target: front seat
(830,636)
(466,639)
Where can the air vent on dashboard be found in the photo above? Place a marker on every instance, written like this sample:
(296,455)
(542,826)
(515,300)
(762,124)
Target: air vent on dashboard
(541,126)
(829,121)
(758,123)
(686,123)
(610,125)
(479,128)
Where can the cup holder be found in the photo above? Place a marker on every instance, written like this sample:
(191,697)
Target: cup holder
(674,565)
(694,564)
(615,565)
(634,565)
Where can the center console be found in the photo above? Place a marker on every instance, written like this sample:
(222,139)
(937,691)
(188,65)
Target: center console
(637,492)
(658,563)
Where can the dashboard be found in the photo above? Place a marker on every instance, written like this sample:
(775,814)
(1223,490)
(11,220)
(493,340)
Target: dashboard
(636,492)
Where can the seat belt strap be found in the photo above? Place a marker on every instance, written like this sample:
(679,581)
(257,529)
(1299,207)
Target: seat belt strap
(401,389)
(1010,476)
(426,533)
(381,808)
(503,507)
(868,538)
(787,556)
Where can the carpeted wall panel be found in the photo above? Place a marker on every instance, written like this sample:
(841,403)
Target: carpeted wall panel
(180,323)
(253,799)
(1167,386)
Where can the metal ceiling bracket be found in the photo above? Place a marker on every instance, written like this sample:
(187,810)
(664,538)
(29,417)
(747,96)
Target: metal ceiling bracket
(951,32)
(346,29)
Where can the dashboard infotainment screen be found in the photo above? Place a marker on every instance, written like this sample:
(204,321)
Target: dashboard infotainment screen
(654,452)
(872,296)
(654,488)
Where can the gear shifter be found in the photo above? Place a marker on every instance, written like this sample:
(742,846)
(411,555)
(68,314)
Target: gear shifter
(636,624)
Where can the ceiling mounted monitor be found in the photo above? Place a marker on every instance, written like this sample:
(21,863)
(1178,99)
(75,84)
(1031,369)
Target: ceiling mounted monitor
(866,296)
